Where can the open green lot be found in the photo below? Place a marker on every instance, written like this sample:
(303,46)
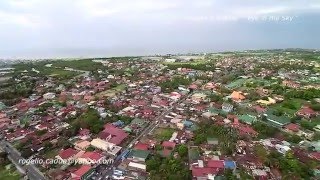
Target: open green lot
(290,106)
(112,92)
(8,174)
(163,134)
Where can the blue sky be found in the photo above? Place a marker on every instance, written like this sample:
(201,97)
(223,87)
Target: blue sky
(82,28)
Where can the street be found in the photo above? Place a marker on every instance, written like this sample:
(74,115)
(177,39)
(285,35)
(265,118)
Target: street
(29,170)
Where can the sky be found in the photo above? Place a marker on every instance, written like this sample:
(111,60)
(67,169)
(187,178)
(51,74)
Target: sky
(104,28)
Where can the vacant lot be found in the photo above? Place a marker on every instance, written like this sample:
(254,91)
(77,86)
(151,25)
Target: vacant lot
(112,92)
(163,134)
(289,107)
(9,174)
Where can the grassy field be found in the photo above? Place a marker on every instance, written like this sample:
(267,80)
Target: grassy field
(8,174)
(51,153)
(112,92)
(289,107)
(163,134)
(83,64)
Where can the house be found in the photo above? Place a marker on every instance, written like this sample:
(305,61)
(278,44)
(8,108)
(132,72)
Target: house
(116,135)
(49,96)
(198,97)
(204,173)
(245,130)
(210,86)
(282,148)
(137,166)
(82,173)
(306,112)
(105,146)
(266,102)
(66,155)
(141,146)
(237,96)
(317,128)
(81,145)
(279,121)
(226,107)
(248,119)
(258,109)
(290,84)
(138,155)
(230,165)
(212,141)
(292,128)
(84,134)
(168,147)
(217,164)
(315,155)
(91,158)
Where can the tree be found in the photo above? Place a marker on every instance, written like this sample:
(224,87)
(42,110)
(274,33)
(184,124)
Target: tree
(90,120)
(228,174)
(315,107)
(63,142)
(182,151)
(261,152)
(47,145)
(26,152)
(307,125)
(41,132)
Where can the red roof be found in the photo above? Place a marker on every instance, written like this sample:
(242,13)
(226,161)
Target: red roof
(117,135)
(193,86)
(215,164)
(67,153)
(169,144)
(92,156)
(315,155)
(104,135)
(82,170)
(260,109)
(141,146)
(201,172)
(292,127)
(306,110)
(246,130)
(84,132)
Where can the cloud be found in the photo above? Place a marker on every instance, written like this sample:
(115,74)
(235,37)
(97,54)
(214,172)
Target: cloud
(22,20)
(162,24)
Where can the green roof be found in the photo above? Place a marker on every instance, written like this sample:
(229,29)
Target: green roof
(127,128)
(247,119)
(2,105)
(139,153)
(214,110)
(236,83)
(193,153)
(278,120)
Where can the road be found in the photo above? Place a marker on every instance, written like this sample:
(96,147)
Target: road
(84,73)
(146,131)
(29,170)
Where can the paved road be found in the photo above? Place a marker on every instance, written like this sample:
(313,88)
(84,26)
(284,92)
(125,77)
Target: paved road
(30,170)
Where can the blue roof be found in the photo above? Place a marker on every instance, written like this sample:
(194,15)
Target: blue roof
(118,123)
(230,164)
(187,123)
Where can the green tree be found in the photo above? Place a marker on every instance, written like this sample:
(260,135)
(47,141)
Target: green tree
(182,151)
(261,152)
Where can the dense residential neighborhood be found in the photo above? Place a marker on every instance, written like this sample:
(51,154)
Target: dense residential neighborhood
(233,115)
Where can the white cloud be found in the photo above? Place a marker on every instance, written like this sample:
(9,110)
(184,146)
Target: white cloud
(24,20)
(107,8)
